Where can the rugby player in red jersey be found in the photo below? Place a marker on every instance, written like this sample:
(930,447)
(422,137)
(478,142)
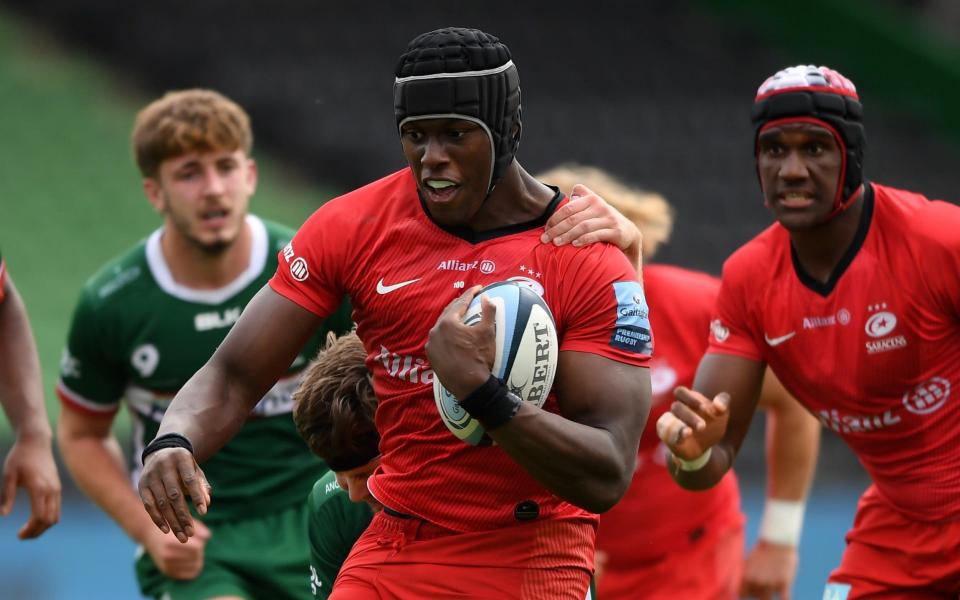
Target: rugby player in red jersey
(853,299)
(512,520)
(647,541)
(29,464)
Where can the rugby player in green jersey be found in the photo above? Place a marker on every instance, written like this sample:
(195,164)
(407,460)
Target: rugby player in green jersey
(148,320)
(334,412)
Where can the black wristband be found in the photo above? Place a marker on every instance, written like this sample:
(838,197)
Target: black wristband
(492,404)
(351,460)
(167,440)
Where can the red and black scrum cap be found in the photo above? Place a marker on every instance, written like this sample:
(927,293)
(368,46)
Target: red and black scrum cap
(811,93)
(462,73)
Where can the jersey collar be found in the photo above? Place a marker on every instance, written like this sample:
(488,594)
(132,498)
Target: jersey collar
(161,270)
(476,237)
(825,288)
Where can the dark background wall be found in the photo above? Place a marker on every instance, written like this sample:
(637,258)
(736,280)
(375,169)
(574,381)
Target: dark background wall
(656,91)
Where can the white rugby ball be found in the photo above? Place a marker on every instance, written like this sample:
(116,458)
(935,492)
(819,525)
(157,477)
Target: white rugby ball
(526,354)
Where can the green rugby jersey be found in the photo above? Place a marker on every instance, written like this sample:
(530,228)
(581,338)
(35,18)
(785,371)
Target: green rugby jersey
(138,336)
(333,524)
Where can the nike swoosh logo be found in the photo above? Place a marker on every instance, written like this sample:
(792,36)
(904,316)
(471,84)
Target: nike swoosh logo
(779,340)
(386,289)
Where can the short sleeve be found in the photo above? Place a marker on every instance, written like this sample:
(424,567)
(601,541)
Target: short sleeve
(939,259)
(730,332)
(310,268)
(604,309)
(90,378)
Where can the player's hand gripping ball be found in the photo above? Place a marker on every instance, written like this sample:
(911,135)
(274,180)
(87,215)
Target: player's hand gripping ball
(526,354)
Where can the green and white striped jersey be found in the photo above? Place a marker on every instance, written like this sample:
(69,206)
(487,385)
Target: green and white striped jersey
(137,337)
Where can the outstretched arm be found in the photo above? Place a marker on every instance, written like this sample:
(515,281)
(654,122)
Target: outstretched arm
(217,400)
(30,462)
(705,426)
(587,453)
(95,461)
(793,440)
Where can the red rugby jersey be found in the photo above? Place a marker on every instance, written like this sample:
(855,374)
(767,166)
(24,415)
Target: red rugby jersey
(400,269)
(874,352)
(657,516)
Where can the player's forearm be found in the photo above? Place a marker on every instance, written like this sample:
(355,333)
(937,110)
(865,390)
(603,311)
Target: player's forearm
(210,409)
(707,476)
(792,444)
(97,468)
(718,375)
(217,400)
(584,465)
(21,389)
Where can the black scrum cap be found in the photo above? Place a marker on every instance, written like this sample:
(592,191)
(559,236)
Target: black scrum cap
(462,73)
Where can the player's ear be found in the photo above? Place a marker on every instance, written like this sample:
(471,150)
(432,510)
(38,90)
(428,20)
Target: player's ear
(154,193)
(252,175)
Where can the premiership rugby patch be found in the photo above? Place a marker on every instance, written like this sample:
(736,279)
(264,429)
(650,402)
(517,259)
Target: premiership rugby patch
(631,332)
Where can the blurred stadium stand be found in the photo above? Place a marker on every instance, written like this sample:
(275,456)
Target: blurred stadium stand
(657,91)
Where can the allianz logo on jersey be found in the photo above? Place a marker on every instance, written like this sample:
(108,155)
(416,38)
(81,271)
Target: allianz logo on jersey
(206,321)
(842,317)
(833,420)
(923,399)
(486,266)
(299,269)
(405,367)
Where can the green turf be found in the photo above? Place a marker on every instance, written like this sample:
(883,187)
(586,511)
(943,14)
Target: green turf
(70,196)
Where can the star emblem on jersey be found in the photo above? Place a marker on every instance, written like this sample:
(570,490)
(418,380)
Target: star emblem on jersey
(779,339)
(529,271)
(386,289)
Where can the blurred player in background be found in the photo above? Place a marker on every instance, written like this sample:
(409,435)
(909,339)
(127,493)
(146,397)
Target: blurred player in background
(648,540)
(29,464)
(334,409)
(511,520)
(853,299)
(148,320)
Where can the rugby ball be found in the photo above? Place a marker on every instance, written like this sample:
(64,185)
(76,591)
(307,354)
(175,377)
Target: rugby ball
(526,354)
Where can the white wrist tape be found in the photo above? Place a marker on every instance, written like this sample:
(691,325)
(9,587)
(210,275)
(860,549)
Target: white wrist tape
(782,521)
(695,464)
